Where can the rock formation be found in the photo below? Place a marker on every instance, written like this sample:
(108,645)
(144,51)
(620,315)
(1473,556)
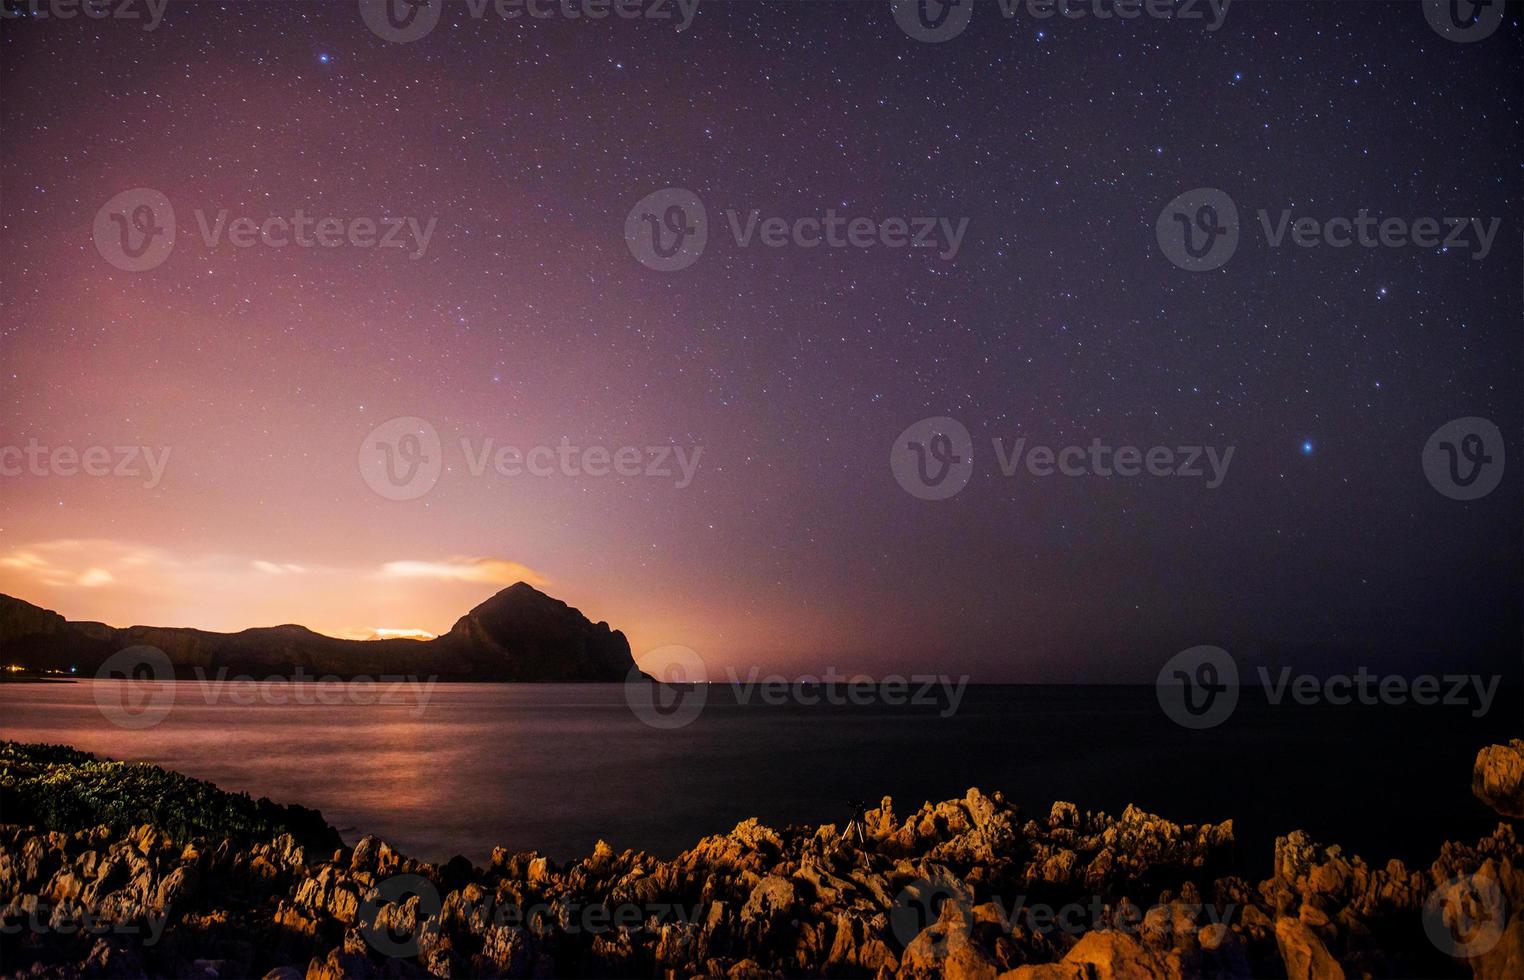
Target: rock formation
(1497,778)
(965,888)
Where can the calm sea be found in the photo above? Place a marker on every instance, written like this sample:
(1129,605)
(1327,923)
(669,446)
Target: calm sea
(555,767)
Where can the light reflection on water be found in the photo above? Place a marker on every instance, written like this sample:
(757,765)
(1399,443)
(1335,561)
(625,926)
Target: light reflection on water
(554,767)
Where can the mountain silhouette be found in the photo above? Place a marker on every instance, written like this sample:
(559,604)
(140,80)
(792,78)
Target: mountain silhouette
(519,634)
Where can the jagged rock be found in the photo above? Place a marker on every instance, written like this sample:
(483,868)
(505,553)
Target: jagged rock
(1303,953)
(1497,778)
(339,965)
(757,901)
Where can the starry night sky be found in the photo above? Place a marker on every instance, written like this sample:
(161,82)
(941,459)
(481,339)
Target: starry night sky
(528,320)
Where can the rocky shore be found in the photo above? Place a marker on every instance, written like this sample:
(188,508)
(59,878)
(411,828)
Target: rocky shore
(964,888)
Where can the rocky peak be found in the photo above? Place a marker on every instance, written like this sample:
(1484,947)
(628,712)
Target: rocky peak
(523,634)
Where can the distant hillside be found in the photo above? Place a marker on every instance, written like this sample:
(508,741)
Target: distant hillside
(520,634)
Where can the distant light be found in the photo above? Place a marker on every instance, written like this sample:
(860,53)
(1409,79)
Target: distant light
(1306,447)
(323,59)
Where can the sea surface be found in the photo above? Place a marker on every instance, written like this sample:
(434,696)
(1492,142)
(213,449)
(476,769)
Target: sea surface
(556,767)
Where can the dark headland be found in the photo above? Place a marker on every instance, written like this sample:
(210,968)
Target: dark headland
(519,634)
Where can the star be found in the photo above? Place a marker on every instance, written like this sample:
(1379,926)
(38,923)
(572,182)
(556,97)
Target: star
(1307,447)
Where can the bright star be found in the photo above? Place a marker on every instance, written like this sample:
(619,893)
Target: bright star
(323,59)
(1306,447)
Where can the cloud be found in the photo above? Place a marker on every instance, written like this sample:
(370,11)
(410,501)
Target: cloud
(493,571)
(65,562)
(127,569)
(124,582)
(382,633)
(274,568)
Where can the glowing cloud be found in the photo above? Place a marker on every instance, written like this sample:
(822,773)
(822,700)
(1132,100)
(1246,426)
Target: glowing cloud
(272,568)
(493,571)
